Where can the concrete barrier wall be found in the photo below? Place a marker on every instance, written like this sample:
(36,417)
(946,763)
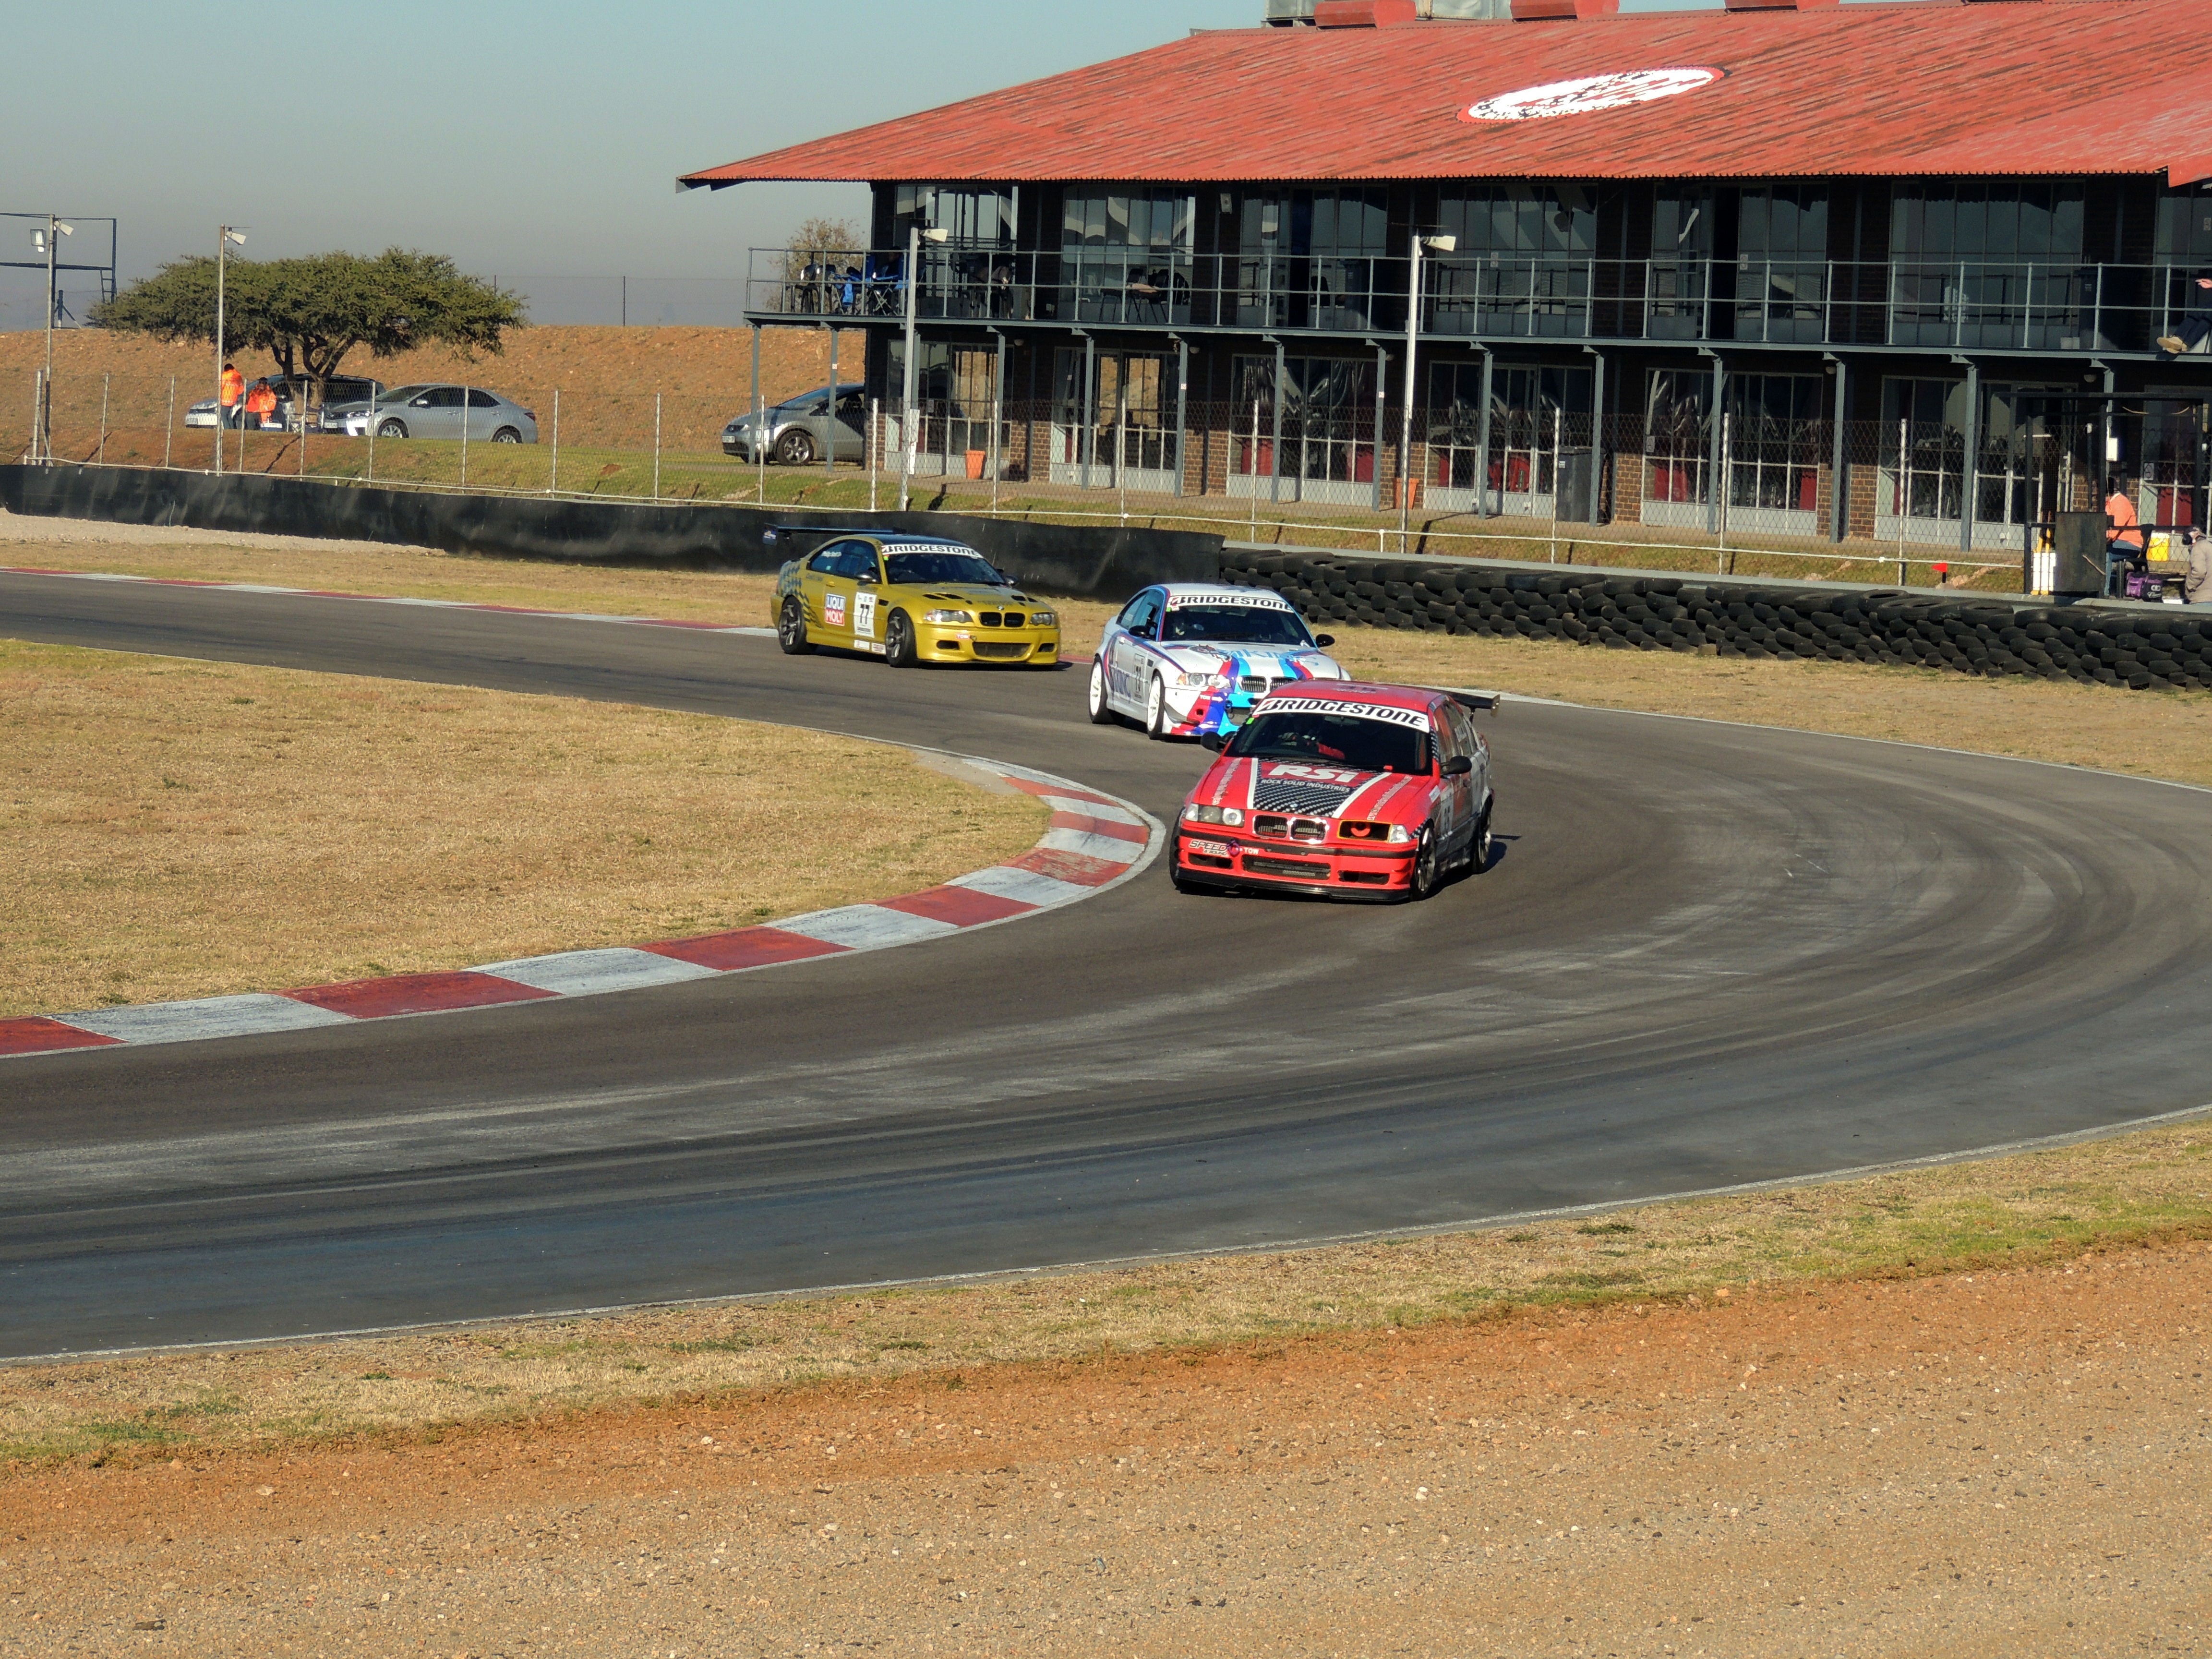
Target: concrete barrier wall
(1079,562)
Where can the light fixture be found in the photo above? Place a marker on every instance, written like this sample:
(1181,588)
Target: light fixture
(1441,244)
(938,233)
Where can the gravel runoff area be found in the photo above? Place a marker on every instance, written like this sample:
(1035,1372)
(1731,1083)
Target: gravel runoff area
(1997,1463)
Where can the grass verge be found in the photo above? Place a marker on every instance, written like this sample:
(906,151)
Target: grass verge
(2153,1186)
(186,828)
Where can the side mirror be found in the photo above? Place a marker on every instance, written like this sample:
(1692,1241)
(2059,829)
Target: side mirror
(1324,640)
(1458,766)
(1217,741)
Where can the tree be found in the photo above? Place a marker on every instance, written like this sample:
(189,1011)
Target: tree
(308,313)
(816,243)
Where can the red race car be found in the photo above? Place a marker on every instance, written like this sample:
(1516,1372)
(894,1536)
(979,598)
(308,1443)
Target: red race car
(1339,788)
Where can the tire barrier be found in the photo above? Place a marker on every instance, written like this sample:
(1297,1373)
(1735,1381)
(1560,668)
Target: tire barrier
(1079,562)
(2142,646)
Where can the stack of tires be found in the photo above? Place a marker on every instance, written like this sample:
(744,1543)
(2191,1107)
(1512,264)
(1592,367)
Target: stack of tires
(1982,634)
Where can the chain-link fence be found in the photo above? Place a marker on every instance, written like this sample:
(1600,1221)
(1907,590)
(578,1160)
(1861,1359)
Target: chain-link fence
(1526,476)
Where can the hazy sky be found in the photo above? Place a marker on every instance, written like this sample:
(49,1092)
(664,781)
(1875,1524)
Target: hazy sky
(537,142)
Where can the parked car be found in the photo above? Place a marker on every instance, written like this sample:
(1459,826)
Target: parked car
(1342,790)
(438,411)
(798,431)
(1190,657)
(343,389)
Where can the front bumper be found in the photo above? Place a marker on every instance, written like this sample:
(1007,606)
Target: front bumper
(1235,859)
(998,648)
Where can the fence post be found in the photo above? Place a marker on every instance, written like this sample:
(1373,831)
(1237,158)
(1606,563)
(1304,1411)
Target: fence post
(656,440)
(101,457)
(553,485)
(465,437)
(169,431)
(372,422)
(875,456)
(1558,454)
(1904,497)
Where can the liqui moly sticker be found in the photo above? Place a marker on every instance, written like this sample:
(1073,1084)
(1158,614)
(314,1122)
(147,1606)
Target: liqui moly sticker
(1589,94)
(833,610)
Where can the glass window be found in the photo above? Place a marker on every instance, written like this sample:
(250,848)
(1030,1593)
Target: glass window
(479,398)
(1141,612)
(1361,742)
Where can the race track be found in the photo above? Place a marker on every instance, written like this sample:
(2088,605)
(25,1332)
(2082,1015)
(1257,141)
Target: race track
(1706,955)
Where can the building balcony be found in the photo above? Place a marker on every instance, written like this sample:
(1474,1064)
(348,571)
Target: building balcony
(2027,308)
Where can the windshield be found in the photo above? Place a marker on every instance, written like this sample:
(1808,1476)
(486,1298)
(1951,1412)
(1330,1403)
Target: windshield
(923,566)
(1351,740)
(1246,625)
(399,394)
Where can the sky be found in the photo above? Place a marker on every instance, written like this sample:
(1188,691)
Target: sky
(538,143)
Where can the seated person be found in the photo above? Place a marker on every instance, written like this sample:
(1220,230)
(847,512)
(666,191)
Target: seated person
(2123,537)
(2196,324)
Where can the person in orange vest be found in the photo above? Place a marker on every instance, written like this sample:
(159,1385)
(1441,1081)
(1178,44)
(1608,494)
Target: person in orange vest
(261,404)
(231,393)
(2123,539)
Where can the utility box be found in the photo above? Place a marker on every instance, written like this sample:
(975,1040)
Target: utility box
(1572,477)
(2078,556)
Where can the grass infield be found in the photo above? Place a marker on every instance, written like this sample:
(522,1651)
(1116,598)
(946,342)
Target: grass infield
(186,828)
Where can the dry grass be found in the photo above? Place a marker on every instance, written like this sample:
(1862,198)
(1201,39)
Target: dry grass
(2005,1212)
(183,829)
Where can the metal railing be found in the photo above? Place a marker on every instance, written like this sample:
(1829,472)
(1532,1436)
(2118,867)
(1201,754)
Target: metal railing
(2025,306)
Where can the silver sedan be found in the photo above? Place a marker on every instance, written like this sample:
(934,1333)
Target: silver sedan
(439,412)
(796,431)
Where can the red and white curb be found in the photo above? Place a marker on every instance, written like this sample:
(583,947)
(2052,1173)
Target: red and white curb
(1094,841)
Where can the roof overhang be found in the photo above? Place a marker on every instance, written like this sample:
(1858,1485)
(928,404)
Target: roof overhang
(2037,87)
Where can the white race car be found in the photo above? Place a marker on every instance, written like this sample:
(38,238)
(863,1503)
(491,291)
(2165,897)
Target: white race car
(1187,657)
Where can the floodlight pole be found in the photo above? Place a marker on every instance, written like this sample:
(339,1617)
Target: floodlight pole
(1443,245)
(224,236)
(42,433)
(914,233)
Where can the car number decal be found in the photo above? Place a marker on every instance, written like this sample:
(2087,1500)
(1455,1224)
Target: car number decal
(864,615)
(833,610)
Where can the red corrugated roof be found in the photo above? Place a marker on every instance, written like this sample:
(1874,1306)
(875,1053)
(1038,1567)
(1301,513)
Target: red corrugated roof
(1926,85)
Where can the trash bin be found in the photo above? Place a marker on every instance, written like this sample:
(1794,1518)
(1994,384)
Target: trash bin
(1576,472)
(975,459)
(2077,548)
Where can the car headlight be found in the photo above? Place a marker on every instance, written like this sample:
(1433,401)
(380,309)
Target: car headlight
(1400,834)
(1044,619)
(946,617)
(1231,816)
(1187,679)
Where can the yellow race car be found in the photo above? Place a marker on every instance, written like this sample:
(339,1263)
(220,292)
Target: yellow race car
(910,600)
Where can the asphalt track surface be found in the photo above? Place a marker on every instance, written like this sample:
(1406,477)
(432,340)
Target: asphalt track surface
(1706,955)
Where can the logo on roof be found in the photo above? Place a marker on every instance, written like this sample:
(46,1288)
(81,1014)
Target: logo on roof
(1589,94)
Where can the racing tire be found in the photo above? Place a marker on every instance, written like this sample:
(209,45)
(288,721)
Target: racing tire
(795,449)
(392,430)
(898,642)
(506,435)
(1425,873)
(1184,884)
(790,629)
(1478,849)
(1156,719)
(1101,712)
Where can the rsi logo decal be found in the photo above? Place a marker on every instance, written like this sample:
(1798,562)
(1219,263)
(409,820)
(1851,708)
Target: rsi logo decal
(1589,94)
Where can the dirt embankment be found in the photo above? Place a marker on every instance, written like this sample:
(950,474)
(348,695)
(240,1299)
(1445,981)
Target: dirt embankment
(1985,1464)
(607,378)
